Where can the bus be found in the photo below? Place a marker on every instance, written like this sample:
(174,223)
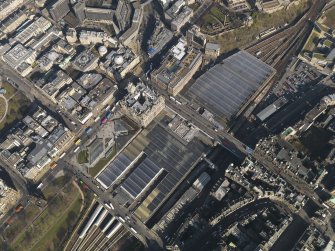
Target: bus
(76,149)
(62,155)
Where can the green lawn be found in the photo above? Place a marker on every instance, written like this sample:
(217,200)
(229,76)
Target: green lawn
(102,163)
(17,105)
(244,35)
(21,221)
(48,231)
(208,19)
(310,43)
(216,11)
(82,157)
(10,90)
(54,234)
(194,6)
(330,18)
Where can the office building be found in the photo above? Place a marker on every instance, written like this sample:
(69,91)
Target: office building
(177,69)
(79,10)
(59,9)
(123,15)
(195,38)
(8,6)
(182,18)
(212,50)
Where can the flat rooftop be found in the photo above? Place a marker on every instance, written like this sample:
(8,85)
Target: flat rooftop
(227,86)
(151,166)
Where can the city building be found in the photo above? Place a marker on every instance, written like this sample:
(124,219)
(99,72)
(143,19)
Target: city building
(119,62)
(87,37)
(182,18)
(177,68)
(99,15)
(59,9)
(13,21)
(84,99)
(8,6)
(130,34)
(195,38)
(142,104)
(269,6)
(52,82)
(227,87)
(319,49)
(71,36)
(173,11)
(33,143)
(239,5)
(312,239)
(8,197)
(159,38)
(18,55)
(123,14)
(212,50)
(31,29)
(85,61)
(79,10)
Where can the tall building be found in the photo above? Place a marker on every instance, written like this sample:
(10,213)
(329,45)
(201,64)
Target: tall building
(79,10)
(59,9)
(8,6)
(195,38)
(8,197)
(123,14)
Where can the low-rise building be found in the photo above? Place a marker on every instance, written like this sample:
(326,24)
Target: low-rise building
(18,55)
(212,50)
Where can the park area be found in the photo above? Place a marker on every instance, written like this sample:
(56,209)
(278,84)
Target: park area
(218,19)
(47,228)
(17,104)
(329,18)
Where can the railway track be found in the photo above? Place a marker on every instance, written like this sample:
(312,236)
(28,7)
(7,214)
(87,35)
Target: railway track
(289,34)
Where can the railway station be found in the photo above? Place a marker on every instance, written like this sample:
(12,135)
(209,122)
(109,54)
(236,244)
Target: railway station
(227,86)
